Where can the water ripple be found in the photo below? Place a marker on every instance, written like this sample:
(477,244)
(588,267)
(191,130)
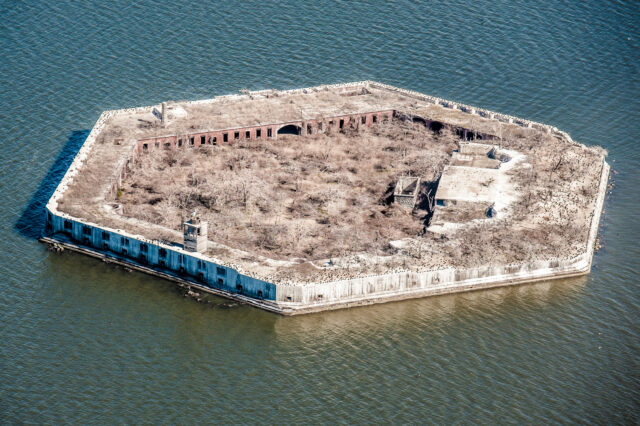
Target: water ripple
(84,342)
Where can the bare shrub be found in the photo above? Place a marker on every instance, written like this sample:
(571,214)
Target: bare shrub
(324,191)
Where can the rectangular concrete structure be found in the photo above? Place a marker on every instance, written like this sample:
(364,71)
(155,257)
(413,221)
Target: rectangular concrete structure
(406,191)
(460,183)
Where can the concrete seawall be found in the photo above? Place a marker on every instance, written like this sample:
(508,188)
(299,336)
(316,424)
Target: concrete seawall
(213,276)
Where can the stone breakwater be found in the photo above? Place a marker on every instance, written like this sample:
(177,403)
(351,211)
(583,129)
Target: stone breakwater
(228,280)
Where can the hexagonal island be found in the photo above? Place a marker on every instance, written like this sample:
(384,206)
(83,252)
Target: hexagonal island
(331,197)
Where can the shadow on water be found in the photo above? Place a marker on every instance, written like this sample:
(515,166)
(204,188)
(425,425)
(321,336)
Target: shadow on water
(31,222)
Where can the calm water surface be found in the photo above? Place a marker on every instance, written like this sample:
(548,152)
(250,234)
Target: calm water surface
(83,342)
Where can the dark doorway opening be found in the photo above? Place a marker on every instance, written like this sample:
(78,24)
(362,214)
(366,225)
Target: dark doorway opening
(419,120)
(435,126)
(290,129)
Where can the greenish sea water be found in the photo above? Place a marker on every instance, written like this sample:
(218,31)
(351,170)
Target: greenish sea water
(84,342)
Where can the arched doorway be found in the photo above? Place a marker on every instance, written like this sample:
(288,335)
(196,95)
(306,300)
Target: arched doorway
(435,126)
(290,129)
(420,120)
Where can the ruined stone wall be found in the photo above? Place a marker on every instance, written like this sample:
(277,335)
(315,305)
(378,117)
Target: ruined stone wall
(505,118)
(257,133)
(407,201)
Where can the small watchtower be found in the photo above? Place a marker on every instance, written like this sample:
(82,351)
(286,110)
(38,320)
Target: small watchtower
(195,234)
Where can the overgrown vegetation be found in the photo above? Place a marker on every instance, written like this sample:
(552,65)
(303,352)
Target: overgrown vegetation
(328,196)
(557,185)
(311,197)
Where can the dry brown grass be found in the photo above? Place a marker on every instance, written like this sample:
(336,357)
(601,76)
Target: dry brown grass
(325,196)
(552,214)
(311,197)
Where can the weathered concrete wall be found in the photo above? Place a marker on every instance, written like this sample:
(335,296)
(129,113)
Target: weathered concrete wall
(136,249)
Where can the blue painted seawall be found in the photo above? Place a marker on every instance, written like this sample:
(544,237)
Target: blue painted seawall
(160,256)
